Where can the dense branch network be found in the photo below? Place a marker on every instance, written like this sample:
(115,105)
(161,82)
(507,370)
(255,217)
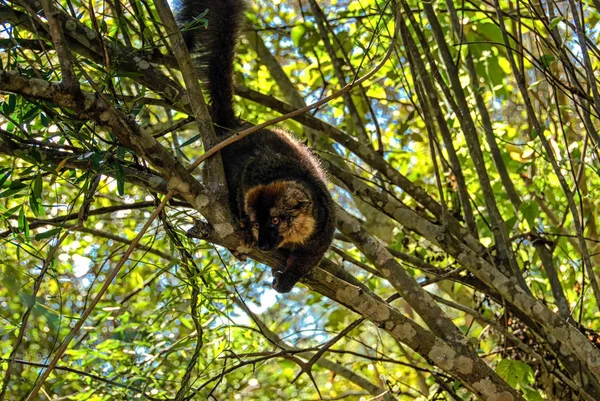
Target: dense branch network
(360,162)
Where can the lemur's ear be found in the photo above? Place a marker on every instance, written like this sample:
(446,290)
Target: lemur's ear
(302,205)
(295,197)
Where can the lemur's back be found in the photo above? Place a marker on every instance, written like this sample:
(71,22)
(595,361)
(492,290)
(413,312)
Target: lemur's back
(281,156)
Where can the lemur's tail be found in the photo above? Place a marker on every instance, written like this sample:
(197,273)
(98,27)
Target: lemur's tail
(214,47)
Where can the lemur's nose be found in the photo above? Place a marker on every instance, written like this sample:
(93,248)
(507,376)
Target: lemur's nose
(265,247)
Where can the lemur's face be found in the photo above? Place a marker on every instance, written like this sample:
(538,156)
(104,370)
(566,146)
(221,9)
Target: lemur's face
(280,214)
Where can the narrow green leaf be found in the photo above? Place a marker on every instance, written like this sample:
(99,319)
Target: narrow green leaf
(34,205)
(47,234)
(11,192)
(30,115)
(4,178)
(96,158)
(38,186)
(9,106)
(21,220)
(120,179)
(186,322)
(11,212)
(190,141)
(183,155)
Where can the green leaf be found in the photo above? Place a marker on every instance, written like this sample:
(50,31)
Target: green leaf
(21,220)
(5,177)
(137,109)
(35,156)
(183,155)
(514,372)
(298,33)
(199,22)
(530,210)
(536,83)
(13,189)
(8,329)
(38,186)
(30,115)
(337,317)
(9,106)
(110,344)
(546,60)
(47,234)
(11,212)
(34,205)
(120,179)
(554,23)
(96,158)
(22,223)
(138,279)
(190,141)
(186,322)
(532,394)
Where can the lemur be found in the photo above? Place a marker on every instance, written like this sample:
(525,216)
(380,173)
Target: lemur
(277,187)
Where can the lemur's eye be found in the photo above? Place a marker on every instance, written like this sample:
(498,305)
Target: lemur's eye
(275,221)
(255,225)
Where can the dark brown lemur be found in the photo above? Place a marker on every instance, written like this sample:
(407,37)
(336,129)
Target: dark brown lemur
(277,187)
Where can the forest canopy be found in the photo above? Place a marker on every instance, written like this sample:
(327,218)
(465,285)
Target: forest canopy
(461,142)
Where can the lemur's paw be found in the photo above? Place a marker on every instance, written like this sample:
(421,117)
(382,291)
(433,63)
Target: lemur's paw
(284,282)
(241,256)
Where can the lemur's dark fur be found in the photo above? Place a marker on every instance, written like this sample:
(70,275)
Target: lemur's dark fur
(277,187)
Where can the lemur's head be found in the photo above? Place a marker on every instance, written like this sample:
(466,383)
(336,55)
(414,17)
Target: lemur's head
(281,213)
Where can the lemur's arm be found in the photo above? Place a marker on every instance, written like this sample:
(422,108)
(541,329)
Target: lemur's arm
(298,265)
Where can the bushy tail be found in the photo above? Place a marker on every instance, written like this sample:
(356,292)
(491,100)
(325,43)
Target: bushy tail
(214,47)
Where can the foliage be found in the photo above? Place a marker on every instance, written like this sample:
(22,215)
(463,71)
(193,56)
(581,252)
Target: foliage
(473,150)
